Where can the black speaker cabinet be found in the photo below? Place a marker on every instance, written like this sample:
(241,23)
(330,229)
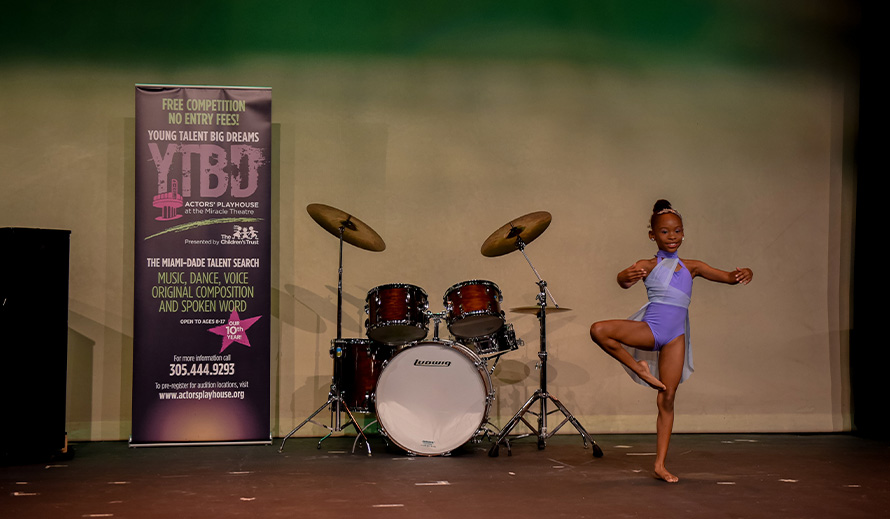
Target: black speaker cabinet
(34,331)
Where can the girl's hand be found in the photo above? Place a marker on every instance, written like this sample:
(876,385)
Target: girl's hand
(743,275)
(730,277)
(629,276)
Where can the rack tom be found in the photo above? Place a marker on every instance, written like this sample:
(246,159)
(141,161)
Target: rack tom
(473,309)
(397,313)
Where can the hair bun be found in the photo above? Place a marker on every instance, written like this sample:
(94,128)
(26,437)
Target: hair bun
(661,205)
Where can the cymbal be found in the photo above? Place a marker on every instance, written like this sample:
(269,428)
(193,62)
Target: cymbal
(527,227)
(355,232)
(533,310)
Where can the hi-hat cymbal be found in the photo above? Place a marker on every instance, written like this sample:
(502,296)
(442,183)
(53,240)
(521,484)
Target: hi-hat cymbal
(535,309)
(504,240)
(355,232)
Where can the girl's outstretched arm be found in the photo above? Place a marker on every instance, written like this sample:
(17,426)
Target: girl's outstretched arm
(639,270)
(732,277)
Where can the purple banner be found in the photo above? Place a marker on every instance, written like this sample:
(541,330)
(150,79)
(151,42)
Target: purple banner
(201,349)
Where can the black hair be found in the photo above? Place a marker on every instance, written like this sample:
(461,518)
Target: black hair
(662,206)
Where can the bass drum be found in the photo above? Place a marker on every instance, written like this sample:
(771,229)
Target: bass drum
(432,397)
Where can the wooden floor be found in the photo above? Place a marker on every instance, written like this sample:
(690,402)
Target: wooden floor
(731,476)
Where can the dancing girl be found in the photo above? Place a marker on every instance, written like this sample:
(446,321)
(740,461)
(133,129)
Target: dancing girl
(653,344)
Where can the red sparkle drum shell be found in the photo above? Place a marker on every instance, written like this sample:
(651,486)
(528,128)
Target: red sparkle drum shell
(361,362)
(397,313)
(473,308)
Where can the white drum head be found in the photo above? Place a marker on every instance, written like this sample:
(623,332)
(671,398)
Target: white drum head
(432,397)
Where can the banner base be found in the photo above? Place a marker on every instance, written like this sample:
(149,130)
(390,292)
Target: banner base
(201,444)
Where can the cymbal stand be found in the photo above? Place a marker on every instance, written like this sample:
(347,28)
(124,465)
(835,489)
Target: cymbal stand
(541,395)
(335,398)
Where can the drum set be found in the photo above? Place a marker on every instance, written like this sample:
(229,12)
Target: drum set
(431,396)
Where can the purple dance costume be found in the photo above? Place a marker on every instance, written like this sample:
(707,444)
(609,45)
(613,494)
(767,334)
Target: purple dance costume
(668,320)
(669,291)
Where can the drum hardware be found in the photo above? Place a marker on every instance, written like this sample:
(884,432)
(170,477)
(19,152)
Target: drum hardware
(488,431)
(515,236)
(437,318)
(533,310)
(494,365)
(354,232)
(496,344)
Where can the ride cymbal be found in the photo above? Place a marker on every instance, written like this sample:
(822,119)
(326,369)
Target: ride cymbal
(355,232)
(526,228)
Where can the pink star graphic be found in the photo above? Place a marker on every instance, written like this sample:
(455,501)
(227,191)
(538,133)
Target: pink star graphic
(235,330)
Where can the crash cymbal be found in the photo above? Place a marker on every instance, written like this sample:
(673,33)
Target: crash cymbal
(355,232)
(528,227)
(533,310)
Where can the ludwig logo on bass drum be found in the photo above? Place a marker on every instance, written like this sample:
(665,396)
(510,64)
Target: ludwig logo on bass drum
(432,363)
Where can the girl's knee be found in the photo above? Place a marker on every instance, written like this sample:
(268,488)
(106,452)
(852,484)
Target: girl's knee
(666,399)
(598,332)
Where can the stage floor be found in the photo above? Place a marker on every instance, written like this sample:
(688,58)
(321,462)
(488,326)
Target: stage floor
(735,475)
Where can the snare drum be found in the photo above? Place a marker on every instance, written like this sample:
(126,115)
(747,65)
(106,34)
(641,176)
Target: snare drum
(397,313)
(498,343)
(473,309)
(362,362)
(433,397)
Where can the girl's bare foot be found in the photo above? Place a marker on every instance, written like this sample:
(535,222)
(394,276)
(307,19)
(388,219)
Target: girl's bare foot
(648,378)
(662,474)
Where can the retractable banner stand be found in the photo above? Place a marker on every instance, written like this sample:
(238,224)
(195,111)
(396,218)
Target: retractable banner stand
(201,349)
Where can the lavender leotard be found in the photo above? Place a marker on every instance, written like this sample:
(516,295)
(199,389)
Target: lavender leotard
(669,292)
(666,314)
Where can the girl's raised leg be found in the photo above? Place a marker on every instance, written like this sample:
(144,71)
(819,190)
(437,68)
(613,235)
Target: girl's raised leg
(610,335)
